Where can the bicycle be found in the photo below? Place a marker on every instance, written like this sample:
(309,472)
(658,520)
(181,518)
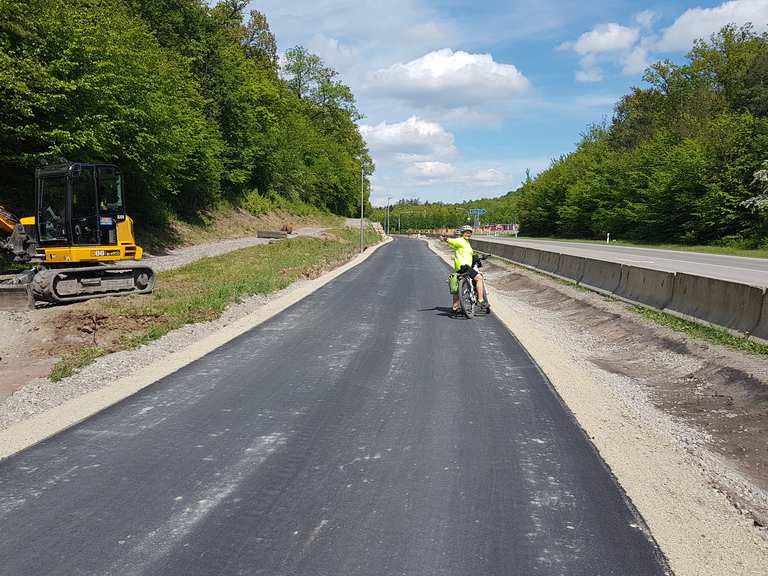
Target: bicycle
(468,291)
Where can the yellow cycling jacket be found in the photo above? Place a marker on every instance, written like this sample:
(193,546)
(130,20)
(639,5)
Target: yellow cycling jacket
(462,252)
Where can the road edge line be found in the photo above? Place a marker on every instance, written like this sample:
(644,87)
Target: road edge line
(27,433)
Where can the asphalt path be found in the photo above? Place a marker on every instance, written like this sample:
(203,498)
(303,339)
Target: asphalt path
(361,432)
(742,269)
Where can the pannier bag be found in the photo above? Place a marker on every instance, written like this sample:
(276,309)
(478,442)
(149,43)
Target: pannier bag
(453,283)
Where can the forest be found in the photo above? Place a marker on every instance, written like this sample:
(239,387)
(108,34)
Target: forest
(194,102)
(682,160)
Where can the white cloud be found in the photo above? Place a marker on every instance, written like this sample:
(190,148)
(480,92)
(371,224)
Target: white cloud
(428,32)
(450,78)
(489,178)
(698,23)
(636,61)
(334,53)
(414,140)
(587,75)
(430,169)
(646,18)
(616,45)
(602,38)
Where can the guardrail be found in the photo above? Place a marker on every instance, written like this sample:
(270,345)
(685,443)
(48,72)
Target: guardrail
(739,308)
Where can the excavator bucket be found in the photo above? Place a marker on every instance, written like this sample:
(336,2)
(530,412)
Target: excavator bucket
(15,297)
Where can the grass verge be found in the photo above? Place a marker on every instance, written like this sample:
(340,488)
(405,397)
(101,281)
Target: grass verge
(201,291)
(703,332)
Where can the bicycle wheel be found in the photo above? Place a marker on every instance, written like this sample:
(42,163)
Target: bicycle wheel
(465,298)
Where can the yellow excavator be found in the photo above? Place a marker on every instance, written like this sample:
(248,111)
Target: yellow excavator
(79,243)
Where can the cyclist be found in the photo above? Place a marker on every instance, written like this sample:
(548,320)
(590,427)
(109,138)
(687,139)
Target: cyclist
(462,263)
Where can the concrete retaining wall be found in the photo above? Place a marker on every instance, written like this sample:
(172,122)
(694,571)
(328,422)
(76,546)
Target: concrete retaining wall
(601,275)
(571,267)
(650,287)
(761,330)
(737,307)
(487,247)
(729,304)
(549,262)
(529,257)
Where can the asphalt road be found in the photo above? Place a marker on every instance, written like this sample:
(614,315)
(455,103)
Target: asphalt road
(734,268)
(362,432)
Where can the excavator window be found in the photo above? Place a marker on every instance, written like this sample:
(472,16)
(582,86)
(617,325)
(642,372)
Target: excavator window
(85,222)
(53,209)
(110,191)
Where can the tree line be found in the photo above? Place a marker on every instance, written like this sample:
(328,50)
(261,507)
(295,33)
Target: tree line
(682,159)
(413,214)
(192,101)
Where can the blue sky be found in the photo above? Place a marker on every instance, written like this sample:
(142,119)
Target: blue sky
(461,97)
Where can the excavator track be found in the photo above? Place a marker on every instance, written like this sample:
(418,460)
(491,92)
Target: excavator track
(62,285)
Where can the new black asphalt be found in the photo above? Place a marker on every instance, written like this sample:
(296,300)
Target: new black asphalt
(362,432)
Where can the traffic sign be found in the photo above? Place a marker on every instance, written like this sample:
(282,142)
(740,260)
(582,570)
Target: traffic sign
(476,210)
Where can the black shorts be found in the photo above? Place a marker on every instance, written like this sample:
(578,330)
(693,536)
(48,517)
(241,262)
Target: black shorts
(471,272)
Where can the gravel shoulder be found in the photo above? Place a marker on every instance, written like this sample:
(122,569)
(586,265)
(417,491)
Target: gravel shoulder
(682,424)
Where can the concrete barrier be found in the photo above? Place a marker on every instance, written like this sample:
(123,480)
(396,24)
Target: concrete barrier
(729,304)
(517,254)
(601,275)
(737,307)
(549,262)
(651,287)
(761,330)
(484,246)
(530,257)
(571,267)
(505,251)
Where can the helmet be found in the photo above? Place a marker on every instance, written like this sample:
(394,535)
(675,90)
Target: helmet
(465,228)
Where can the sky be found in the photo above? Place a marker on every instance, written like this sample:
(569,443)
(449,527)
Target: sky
(461,97)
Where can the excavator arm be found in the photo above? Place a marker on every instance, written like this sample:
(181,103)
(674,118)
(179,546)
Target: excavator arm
(14,238)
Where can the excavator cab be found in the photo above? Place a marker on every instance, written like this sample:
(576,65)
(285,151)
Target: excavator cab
(77,238)
(80,214)
(79,204)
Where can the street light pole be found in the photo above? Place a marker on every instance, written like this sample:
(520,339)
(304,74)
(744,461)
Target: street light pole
(388,199)
(362,201)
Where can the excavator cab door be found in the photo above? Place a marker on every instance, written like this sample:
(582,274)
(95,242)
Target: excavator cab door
(52,213)
(111,202)
(85,218)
